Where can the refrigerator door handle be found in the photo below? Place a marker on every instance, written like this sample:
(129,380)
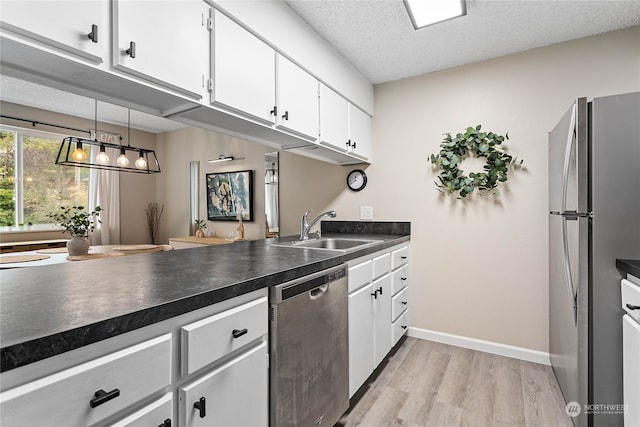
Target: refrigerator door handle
(567,271)
(567,157)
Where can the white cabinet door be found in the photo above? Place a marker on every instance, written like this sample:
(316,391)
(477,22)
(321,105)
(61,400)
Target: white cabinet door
(243,71)
(297,99)
(164,41)
(360,337)
(234,394)
(360,133)
(334,119)
(631,366)
(62,24)
(382,319)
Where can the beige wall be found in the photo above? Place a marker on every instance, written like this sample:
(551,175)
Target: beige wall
(136,190)
(185,145)
(480,266)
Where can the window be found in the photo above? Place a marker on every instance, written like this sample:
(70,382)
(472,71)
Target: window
(31,184)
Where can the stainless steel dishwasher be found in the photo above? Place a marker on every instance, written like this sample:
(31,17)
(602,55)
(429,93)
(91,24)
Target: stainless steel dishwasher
(309,358)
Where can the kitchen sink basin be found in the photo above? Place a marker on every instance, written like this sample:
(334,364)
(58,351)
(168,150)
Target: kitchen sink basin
(329,243)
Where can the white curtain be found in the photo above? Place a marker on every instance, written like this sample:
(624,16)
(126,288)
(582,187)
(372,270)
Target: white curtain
(104,191)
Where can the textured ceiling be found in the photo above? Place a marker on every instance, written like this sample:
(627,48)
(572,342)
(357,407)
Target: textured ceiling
(377,37)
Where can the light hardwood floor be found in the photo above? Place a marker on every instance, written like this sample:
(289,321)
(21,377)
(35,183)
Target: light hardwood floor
(424,383)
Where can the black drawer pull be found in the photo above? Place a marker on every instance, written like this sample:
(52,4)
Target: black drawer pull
(633,307)
(404,303)
(403,278)
(237,333)
(93,35)
(132,50)
(201,406)
(380,290)
(404,326)
(101,396)
(166,423)
(274,111)
(403,257)
(375,294)
(286,115)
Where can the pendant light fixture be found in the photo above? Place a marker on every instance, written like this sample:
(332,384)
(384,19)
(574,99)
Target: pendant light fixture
(146,162)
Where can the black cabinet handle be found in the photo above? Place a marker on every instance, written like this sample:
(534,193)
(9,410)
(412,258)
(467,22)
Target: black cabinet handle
(375,294)
(404,303)
(353,145)
(380,290)
(93,35)
(166,423)
(275,110)
(348,144)
(201,406)
(403,278)
(403,257)
(101,396)
(633,307)
(286,115)
(404,326)
(237,333)
(132,50)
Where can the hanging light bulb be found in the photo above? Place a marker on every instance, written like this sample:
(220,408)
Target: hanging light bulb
(141,163)
(122,160)
(102,156)
(79,155)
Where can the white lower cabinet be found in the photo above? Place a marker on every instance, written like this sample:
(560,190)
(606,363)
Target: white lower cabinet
(378,310)
(233,394)
(92,391)
(223,350)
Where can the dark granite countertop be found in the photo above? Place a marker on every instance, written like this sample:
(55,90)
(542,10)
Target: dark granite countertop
(48,310)
(629,266)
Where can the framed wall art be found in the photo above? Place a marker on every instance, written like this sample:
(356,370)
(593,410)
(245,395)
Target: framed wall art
(230,194)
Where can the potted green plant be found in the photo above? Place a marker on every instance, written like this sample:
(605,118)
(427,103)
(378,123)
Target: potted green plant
(200,226)
(78,222)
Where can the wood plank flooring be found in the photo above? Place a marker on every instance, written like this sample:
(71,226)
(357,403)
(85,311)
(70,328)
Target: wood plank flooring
(425,384)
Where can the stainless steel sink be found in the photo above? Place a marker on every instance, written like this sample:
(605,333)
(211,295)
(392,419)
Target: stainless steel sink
(329,243)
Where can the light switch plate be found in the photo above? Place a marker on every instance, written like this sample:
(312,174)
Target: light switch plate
(366,212)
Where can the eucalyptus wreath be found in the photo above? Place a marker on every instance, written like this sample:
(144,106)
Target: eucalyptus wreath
(453,150)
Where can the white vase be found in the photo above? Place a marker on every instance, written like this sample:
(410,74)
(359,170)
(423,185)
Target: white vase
(78,245)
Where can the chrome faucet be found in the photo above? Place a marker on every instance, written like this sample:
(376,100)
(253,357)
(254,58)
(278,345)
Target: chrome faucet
(305,227)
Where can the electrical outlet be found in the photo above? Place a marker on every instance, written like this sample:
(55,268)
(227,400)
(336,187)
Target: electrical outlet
(366,212)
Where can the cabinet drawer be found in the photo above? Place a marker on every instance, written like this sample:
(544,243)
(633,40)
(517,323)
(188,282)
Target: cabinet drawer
(65,398)
(399,303)
(381,265)
(360,275)
(399,279)
(631,295)
(209,339)
(399,257)
(152,415)
(399,327)
(234,394)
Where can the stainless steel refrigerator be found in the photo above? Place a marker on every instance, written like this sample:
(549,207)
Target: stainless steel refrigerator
(594,218)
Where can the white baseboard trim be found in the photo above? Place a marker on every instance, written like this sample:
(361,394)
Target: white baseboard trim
(481,345)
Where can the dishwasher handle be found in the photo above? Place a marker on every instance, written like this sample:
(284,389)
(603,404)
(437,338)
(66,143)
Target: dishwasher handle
(318,292)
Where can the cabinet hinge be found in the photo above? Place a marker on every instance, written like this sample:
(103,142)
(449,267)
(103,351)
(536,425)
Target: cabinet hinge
(209,24)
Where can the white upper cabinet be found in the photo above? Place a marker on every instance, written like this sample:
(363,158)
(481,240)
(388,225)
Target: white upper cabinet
(360,133)
(163,42)
(76,27)
(343,126)
(297,99)
(243,71)
(334,119)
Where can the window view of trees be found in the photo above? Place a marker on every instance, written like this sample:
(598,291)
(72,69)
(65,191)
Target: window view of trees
(46,186)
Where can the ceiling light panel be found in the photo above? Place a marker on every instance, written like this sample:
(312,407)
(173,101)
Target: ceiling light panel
(429,12)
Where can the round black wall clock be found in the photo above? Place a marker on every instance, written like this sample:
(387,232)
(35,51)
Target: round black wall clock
(356,180)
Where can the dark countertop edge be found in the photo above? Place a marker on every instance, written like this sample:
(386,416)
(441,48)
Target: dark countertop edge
(629,266)
(24,353)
